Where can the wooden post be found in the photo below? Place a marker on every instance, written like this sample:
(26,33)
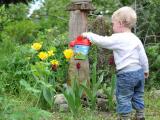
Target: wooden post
(77,25)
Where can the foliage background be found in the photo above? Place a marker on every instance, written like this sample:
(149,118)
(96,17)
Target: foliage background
(50,26)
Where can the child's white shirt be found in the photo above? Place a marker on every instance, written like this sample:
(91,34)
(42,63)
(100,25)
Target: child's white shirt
(127,48)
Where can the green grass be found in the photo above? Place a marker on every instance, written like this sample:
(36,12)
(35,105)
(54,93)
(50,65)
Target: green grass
(152,112)
(86,114)
(14,108)
(152,104)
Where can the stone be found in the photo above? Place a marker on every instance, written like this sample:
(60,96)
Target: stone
(60,99)
(102,104)
(60,103)
(85,101)
(156,94)
(63,108)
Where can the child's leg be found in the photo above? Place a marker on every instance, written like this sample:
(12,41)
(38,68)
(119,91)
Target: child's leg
(138,100)
(124,92)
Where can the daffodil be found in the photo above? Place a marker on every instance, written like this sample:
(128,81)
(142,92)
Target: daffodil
(43,55)
(55,62)
(36,46)
(50,53)
(68,53)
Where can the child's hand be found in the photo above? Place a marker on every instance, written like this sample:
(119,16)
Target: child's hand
(89,36)
(146,75)
(85,34)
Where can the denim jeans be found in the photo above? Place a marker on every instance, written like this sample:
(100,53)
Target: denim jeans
(130,91)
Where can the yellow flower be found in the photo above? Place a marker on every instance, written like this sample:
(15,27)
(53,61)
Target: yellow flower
(36,46)
(55,62)
(68,53)
(43,55)
(50,53)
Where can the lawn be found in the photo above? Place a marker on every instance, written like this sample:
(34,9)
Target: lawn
(152,111)
(17,109)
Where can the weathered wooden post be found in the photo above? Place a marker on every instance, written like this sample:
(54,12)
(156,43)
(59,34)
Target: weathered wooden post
(79,9)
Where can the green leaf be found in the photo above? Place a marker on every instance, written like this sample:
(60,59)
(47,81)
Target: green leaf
(156,63)
(47,85)
(48,95)
(28,87)
(70,100)
(87,90)
(94,74)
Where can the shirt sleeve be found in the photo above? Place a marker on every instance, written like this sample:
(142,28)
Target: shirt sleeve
(143,58)
(108,42)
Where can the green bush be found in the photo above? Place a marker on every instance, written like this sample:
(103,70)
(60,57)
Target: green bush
(21,31)
(153,53)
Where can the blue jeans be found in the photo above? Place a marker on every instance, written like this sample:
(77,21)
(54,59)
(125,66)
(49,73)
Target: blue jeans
(130,91)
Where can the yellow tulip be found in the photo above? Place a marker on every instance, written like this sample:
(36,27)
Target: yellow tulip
(50,53)
(36,46)
(55,62)
(68,53)
(43,55)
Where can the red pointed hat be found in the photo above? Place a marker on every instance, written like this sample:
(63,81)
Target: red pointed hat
(80,40)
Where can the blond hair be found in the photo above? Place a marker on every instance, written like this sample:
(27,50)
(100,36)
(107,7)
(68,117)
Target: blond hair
(126,15)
